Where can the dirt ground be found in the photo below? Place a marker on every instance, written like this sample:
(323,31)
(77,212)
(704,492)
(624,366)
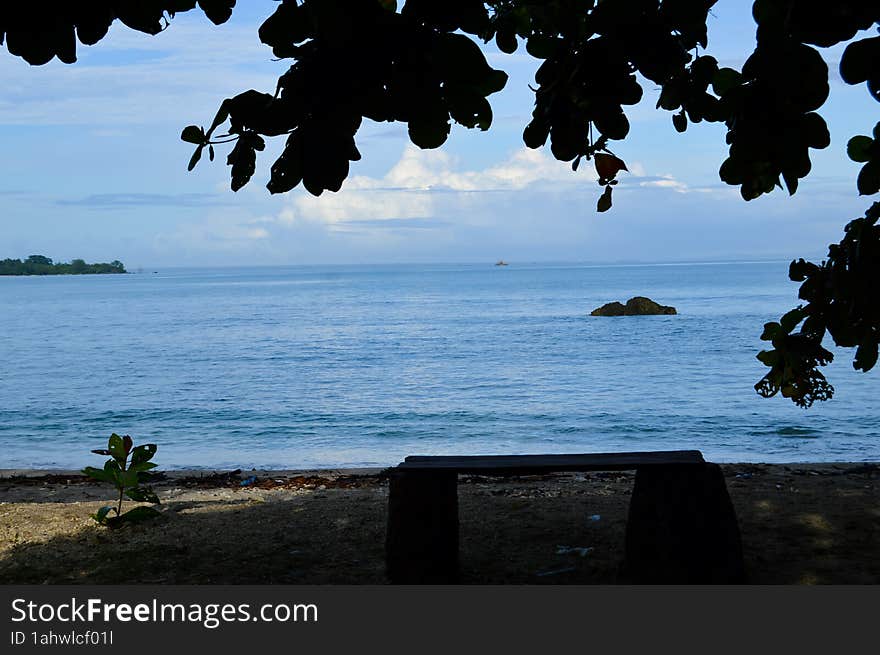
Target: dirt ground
(800,524)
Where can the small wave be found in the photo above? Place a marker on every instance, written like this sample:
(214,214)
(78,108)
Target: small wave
(797,432)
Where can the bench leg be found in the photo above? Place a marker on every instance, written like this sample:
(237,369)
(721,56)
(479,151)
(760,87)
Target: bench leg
(682,528)
(422,541)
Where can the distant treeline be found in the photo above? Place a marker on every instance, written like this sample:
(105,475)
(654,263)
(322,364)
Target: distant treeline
(40,265)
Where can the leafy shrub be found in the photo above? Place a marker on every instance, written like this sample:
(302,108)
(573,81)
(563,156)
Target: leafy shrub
(126,469)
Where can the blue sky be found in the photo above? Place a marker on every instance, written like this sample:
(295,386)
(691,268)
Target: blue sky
(94,168)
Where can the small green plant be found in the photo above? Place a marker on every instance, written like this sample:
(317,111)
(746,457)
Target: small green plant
(127,468)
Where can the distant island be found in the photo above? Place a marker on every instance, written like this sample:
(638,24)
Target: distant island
(40,265)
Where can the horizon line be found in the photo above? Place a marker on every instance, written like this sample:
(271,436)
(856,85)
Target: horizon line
(482,262)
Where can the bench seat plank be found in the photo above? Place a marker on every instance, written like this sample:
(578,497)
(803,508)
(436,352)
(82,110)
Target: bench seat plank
(525,464)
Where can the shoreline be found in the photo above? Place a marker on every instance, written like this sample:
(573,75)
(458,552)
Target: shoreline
(7,474)
(800,523)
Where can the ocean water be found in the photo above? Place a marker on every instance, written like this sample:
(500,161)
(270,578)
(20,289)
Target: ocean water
(360,366)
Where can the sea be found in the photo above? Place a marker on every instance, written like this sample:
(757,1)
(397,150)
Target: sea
(360,366)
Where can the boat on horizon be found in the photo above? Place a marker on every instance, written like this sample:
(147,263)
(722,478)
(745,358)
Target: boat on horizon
(501,262)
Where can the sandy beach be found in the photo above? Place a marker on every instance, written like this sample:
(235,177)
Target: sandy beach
(800,524)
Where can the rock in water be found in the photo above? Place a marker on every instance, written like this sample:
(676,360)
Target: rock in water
(610,309)
(641,306)
(638,306)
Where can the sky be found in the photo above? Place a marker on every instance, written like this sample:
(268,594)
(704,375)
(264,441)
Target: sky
(93,167)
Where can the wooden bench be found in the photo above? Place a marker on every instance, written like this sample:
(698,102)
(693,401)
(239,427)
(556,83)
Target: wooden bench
(681,526)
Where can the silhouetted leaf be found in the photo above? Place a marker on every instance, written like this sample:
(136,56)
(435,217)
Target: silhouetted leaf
(429,130)
(866,355)
(679,121)
(859,60)
(469,109)
(791,181)
(874,87)
(193,134)
(608,166)
(142,16)
(790,320)
(287,171)
(800,269)
(505,39)
(542,46)
(673,94)
(771,331)
(859,148)
(815,130)
(221,115)
(218,11)
(196,156)
(604,203)
(536,133)
(243,158)
(725,79)
(613,125)
(93,25)
(868,181)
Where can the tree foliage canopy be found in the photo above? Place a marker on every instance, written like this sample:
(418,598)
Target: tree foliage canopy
(419,63)
(42,265)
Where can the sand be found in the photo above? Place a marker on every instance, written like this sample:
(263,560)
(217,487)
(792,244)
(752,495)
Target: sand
(800,524)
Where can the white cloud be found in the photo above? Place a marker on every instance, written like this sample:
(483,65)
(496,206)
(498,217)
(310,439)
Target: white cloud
(424,183)
(221,232)
(429,184)
(667,182)
(637,169)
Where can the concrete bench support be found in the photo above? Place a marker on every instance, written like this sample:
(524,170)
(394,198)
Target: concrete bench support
(422,539)
(681,527)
